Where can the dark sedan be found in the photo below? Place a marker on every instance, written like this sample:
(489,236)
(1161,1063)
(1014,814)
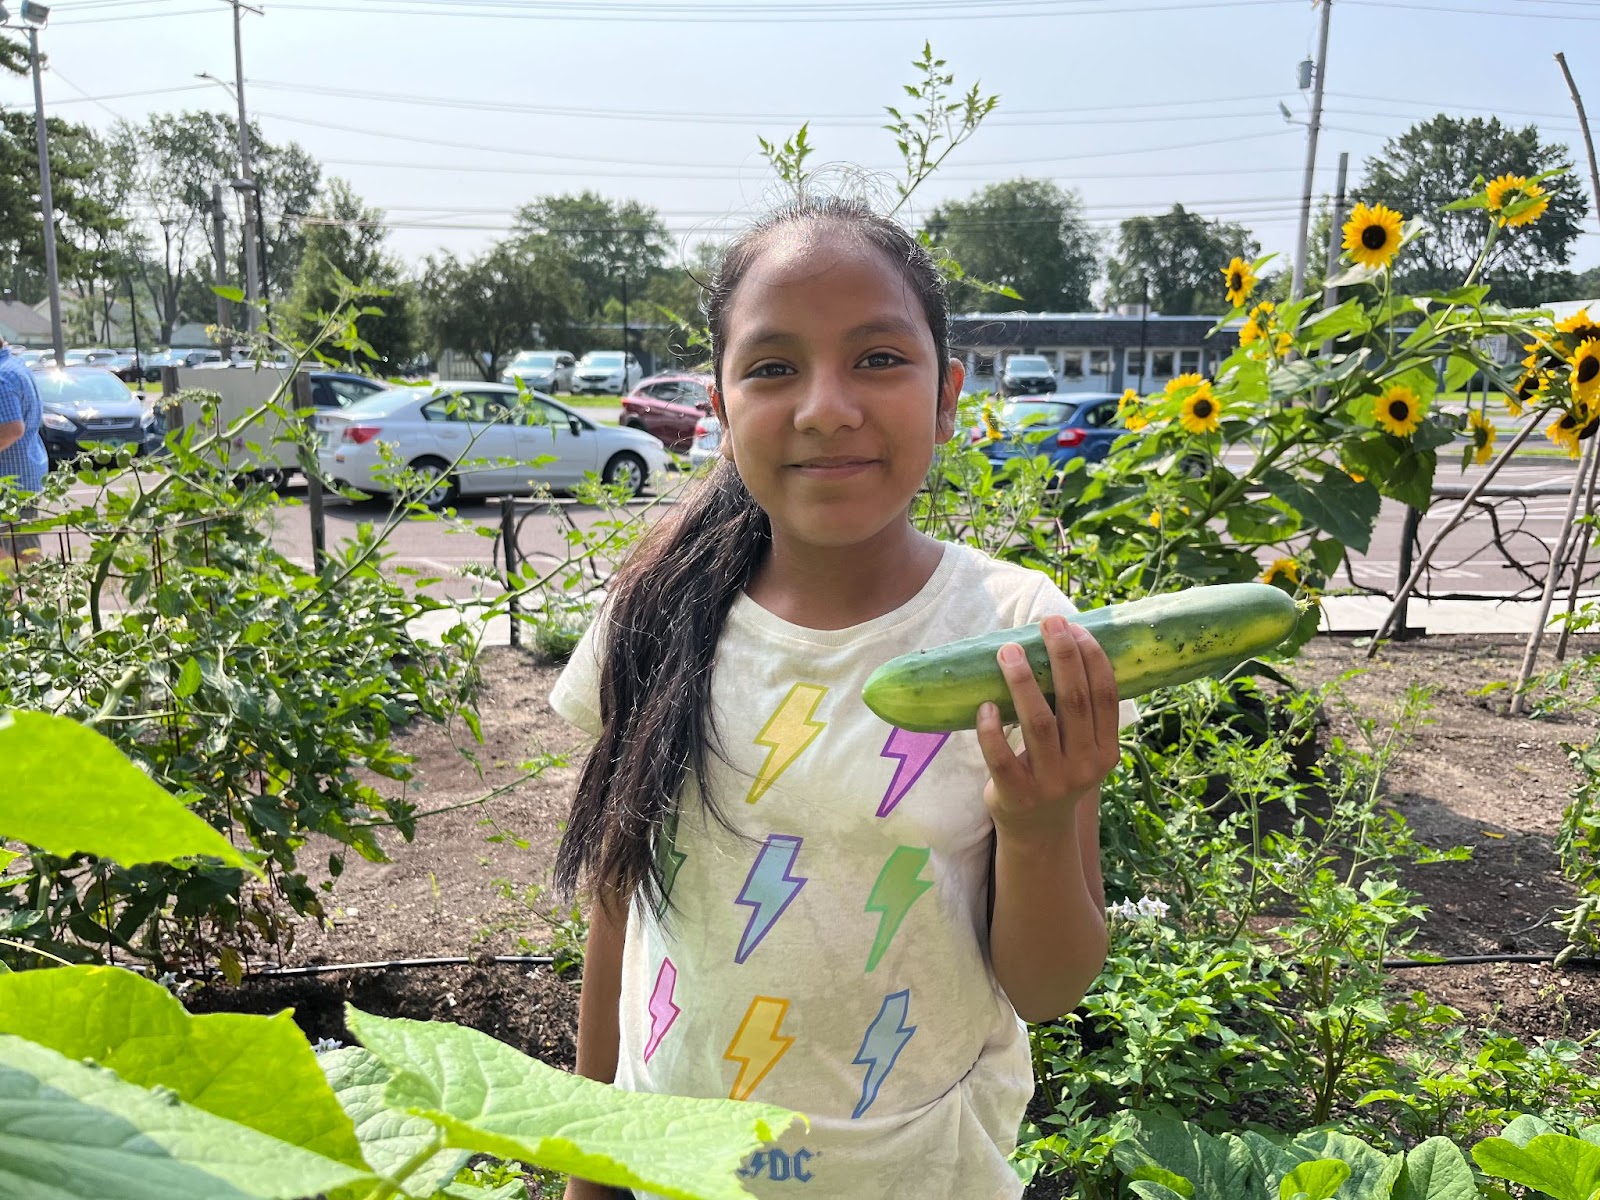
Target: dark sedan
(86,407)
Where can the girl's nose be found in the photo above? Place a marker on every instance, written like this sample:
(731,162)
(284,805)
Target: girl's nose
(827,404)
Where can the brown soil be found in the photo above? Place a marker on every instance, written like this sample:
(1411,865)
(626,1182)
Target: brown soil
(469,884)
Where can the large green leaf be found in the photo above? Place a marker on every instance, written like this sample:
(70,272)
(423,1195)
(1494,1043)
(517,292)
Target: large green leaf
(1337,504)
(492,1099)
(1565,1168)
(258,1071)
(1372,1172)
(1217,1167)
(390,1140)
(103,805)
(71,1131)
(1315,1180)
(1436,1170)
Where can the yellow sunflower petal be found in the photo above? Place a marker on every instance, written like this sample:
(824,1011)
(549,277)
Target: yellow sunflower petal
(1240,281)
(1398,411)
(1183,382)
(1201,413)
(1563,431)
(1287,568)
(1585,363)
(1517,201)
(1372,235)
(1483,437)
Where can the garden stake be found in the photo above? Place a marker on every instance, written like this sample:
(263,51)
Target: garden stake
(1451,522)
(1558,564)
(1583,554)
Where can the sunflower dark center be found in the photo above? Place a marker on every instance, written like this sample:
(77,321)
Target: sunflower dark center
(1236,282)
(1374,237)
(1588,369)
(1203,409)
(1399,410)
(1567,422)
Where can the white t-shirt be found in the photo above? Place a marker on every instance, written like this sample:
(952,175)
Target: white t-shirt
(834,959)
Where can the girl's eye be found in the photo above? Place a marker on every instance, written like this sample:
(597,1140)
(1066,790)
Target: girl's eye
(882,358)
(769,370)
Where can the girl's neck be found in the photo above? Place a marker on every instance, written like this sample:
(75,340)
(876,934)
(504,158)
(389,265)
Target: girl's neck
(835,587)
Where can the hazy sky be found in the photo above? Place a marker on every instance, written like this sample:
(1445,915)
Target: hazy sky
(449,113)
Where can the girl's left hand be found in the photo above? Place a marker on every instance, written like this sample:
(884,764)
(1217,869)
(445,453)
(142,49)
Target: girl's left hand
(1067,753)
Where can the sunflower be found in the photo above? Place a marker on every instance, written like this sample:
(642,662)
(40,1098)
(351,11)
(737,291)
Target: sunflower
(1282,568)
(1563,431)
(1179,383)
(1201,413)
(1398,411)
(1241,281)
(1514,191)
(1585,363)
(1250,332)
(1372,235)
(1154,520)
(1483,435)
(1578,328)
(1128,411)
(1281,341)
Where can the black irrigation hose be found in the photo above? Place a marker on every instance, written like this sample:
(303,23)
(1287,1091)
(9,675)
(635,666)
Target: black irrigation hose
(1464,960)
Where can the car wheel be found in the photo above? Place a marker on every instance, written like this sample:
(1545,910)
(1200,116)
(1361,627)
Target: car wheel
(437,487)
(626,470)
(275,478)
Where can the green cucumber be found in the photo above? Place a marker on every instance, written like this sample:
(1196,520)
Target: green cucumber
(1151,643)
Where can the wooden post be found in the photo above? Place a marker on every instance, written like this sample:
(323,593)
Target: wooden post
(313,473)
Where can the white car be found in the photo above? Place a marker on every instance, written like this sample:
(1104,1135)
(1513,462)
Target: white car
(707,443)
(541,370)
(602,372)
(475,439)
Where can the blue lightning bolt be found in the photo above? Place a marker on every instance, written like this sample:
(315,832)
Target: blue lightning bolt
(886,1037)
(768,889)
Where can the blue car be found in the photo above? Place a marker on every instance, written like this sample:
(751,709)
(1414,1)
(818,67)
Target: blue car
(1063,426)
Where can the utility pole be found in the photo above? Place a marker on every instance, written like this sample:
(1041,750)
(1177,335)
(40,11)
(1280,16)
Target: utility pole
(246,184)
(1320,72)
(34,16)
(219,247)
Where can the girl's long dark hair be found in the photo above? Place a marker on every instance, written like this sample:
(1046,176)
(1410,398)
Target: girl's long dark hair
(667,605)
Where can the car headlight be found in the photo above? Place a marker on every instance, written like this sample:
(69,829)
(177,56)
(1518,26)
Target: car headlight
(57,422)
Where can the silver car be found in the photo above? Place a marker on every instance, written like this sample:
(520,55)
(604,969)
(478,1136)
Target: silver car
(479,439)
(707,444)
(604,373)
(541,370)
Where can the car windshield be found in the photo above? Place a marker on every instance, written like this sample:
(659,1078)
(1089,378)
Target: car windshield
(1038,412)
(80,387)
(603,360)
(535,360)
(381,404)
(1031,363)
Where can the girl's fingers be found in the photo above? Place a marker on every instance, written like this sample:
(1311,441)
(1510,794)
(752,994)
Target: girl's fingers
(1041,737)
(1005,768)
(1074,716)
(1103,700)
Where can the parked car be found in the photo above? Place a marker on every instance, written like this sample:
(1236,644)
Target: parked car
(602,372)
(542,370)
(339,389)
(707,443)
(1027,375)
(34,358)
(503,445)
(669,406)
(125,367)
(1080,426)
(86,406)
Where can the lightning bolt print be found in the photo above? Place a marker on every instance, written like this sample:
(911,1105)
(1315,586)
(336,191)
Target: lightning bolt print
(758,1045)
(787,732)
(768,889)
(663,1012)
(897,888)
(915,751)
(886,1037)
(670,857)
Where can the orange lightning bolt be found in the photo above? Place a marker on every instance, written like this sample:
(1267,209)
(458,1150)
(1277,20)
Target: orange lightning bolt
(758,1045)
(788,732)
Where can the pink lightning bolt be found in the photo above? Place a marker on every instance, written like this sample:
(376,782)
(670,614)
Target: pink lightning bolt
(915,751)
(663,1012)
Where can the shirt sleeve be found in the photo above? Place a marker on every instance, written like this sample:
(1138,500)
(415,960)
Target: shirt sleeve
(10,399)
(576,695)
(1052,600)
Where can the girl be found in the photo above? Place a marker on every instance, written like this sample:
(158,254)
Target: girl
(795,902)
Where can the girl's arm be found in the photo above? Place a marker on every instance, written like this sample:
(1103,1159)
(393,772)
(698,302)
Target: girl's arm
(1047,935)
(597,1019)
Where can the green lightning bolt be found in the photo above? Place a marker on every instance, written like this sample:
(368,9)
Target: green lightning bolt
(895,891)
(669,856)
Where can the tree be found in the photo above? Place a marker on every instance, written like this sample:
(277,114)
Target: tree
(289,180)
(1026,234)
(1437,161)
(512,296)
(602,242)
(344,246)
(1181,255)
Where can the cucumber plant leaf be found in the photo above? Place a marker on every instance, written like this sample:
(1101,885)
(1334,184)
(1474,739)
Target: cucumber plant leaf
(1562,1167)
(391,1141)
(73,1131)
(489,1098)
(103,806)
(1318,1179)
(1436,1170)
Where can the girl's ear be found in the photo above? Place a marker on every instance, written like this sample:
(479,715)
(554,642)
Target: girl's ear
(720,410)
(949,400)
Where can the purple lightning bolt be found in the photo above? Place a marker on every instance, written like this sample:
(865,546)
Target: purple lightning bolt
(663,1012)
(915,751)
(886,1037)
(768,889)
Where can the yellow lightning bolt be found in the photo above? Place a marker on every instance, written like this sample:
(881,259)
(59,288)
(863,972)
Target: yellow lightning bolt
(758,1045)
(788,732)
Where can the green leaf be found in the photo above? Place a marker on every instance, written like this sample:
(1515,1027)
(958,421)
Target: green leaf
(489,1098)
(257,1071)
(1346,318)
(229,293)
(390,1140)
(1150,1189)
(1167,1183)
(73,1131)
(1562,1167)
(101,805)
(188,679)
(1317,1180)
(1215,1166)
(1338,505)
(1436,1170)
(1525,1128)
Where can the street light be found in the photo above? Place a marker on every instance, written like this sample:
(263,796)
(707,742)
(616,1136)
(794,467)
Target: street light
(33,18)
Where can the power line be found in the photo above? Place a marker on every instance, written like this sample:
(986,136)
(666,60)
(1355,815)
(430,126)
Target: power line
(1471,12)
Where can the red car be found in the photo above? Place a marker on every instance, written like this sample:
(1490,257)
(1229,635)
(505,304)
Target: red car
(668,406)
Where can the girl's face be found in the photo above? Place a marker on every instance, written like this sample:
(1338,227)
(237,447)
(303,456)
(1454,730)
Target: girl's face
(830,399)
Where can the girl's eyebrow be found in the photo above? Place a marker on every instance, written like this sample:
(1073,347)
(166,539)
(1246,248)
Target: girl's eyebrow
(895,326)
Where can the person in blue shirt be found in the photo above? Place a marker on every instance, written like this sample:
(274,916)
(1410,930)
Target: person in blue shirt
(23,461)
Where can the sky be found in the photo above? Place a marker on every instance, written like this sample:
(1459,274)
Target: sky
(448,114)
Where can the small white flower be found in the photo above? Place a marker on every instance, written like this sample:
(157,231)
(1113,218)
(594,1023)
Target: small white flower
(1149,906)
(1294,860)
(323,1045)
